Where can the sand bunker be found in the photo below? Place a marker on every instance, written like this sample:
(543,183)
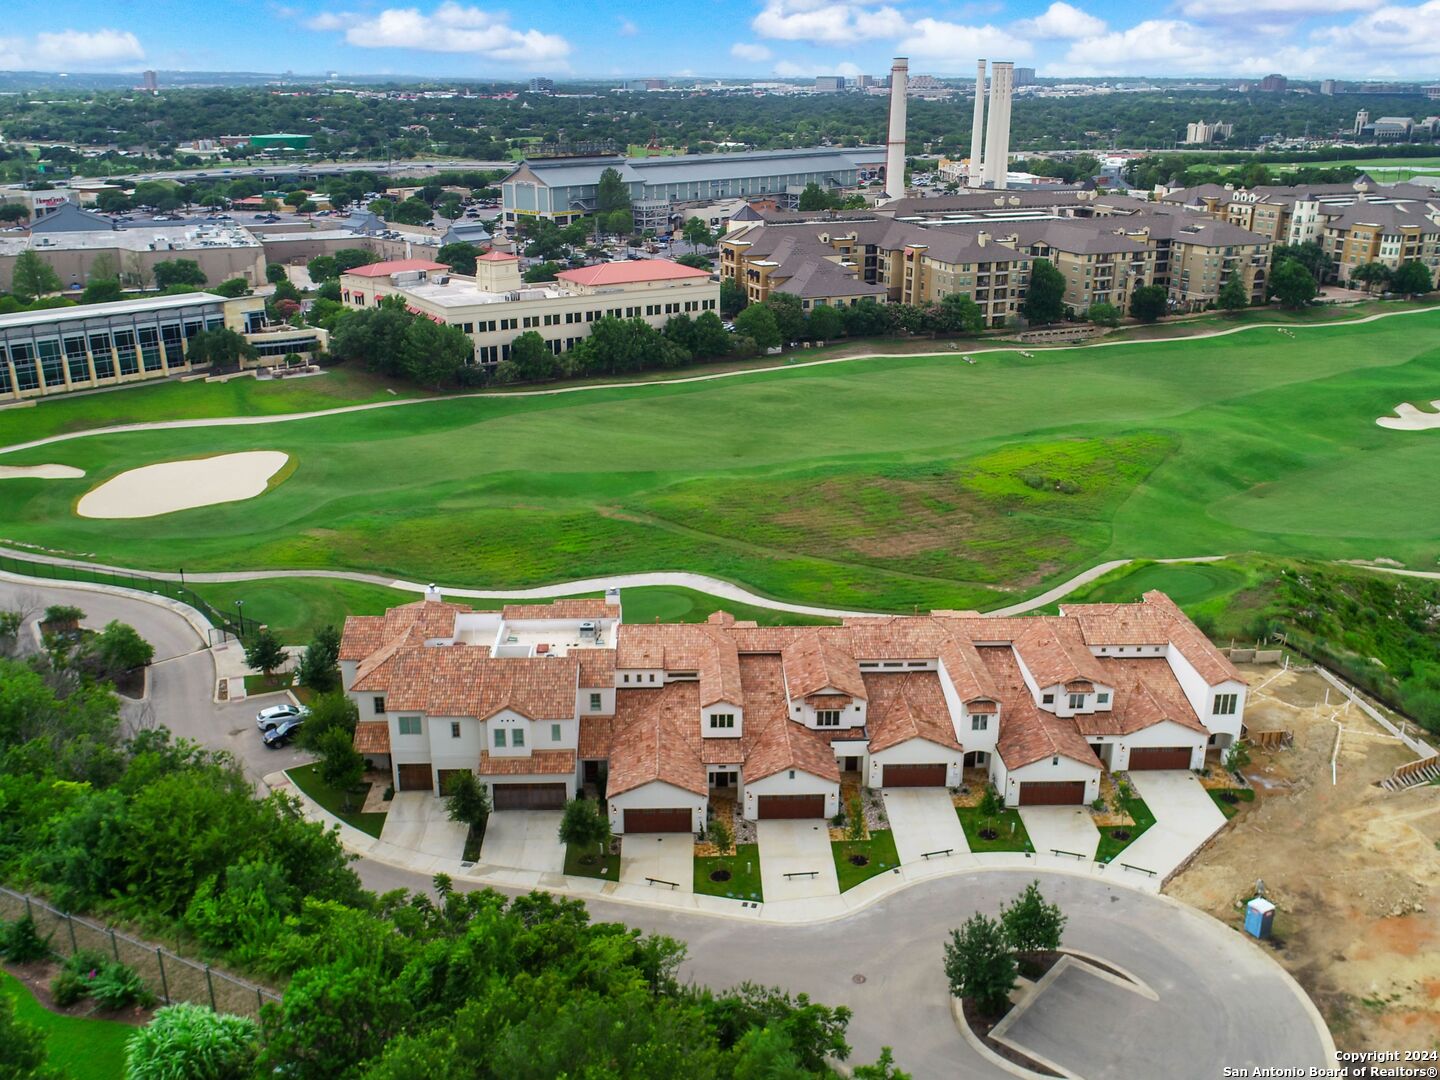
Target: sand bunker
(1408,418)
(39,472)
(182,485)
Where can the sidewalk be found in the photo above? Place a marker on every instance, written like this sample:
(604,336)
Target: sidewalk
(799,912)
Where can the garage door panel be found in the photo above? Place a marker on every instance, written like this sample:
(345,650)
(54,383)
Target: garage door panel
(927,775)
(791,806)
(1052,793)
(415,777)
(1160,757)
(528,796)
(656,820)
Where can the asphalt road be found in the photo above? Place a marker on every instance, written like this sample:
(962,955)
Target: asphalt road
(1221,1001)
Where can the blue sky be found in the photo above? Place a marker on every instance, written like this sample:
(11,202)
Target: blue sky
(757,38)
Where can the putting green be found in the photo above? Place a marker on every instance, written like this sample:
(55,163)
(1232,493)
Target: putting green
(883,484)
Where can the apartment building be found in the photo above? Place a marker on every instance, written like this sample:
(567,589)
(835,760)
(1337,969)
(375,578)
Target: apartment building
(1388,233)
(495,306)
(542,700)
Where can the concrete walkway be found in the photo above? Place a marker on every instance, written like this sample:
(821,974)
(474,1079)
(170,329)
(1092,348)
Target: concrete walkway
(1185,817)
(646,858)
(417,820)
(923,820)
(1063,828)
(796,847)
(523,840)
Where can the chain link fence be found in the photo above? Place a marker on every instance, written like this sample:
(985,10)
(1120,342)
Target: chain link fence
(169,976)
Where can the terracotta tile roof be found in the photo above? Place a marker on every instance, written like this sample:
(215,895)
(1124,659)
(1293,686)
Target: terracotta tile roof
(1146,693)
(1156,620)
(537,763)
(657,737)
(812,663)
(1054,652)
(630,273)
(908,706)
(372,737)
(363,634)
(1080,686)
(1213,665)
(597,667)
(593,607)
(707,649)
(829,701)
(776,741)
(395,266)
(1027,733)
(595,736)
(464,680)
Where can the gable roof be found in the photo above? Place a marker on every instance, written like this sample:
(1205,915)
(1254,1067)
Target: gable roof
(1027,733)
(811,664)
(656,737)
(777,742)
(908,706)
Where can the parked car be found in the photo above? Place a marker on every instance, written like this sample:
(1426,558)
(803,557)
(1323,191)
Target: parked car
(283,732)
(276,714)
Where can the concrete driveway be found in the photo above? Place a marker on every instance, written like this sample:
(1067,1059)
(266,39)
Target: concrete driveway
(662,856)
(417,822)
(1185,817)
(524,839)
(1063,828)
(796,847)
(923,819)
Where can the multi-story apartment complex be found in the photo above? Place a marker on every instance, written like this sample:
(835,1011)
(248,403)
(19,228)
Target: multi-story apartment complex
(1388,233)
(495,306)
(541,700)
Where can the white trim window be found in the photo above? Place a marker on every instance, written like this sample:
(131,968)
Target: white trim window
(722,721)
(827,718)
(454,729)
(980,721)
(1226,704)
(409,725)
(1077,701)
(499,738)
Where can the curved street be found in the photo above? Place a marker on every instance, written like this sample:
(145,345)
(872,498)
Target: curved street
(1217,999)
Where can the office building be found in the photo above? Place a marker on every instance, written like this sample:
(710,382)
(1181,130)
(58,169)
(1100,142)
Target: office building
(1273,84)
(1200,133)
(542,86)
(829,84)
(1024,76)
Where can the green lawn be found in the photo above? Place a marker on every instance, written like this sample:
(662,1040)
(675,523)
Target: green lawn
(84,1049)
(576,866)
(1229,809)
(879,850)
(954,485)
(744,868)
(307,779)
(268,684)
(1009,829)
(1110,847)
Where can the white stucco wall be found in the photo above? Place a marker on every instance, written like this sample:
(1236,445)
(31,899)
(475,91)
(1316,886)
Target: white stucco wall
(784,783)
(607,701)
(722,708)
(657,795)
(1201,695)
(1166,733)
(447,752)
(915,752)
(1043,770)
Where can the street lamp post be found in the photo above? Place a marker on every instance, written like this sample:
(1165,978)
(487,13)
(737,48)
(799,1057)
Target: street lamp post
(240,614)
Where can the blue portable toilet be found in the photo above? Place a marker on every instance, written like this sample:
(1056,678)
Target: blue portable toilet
(1259,914)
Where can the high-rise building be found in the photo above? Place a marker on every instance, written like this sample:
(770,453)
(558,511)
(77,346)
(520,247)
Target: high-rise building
(542,86)
(1024,76)
(1273,84)
(829,84)
(152,83)
(1327,87)
(1432,92)
(1200,133)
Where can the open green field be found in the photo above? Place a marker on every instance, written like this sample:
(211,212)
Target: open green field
(84,1049)
(879,484)
(1381,168)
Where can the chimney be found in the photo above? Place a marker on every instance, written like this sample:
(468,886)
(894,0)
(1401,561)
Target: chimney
(975,176)
(612,597)
(895,142)
(997,133)
(432,593)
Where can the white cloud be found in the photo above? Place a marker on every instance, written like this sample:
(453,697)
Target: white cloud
(65,49)
(827,22)
(452,28)
(936,39)
(627,28)
(1392,33)
(1224,10)
(788,69)
(1061,20)
(744,50)
(330,21)
(1152,47)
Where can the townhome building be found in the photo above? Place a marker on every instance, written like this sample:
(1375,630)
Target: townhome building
(545,701)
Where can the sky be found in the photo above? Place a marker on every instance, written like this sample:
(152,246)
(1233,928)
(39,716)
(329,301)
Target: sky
(1374,39)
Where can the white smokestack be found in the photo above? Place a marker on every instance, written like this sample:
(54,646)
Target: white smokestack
(895,143)
(977,129)
(997,134)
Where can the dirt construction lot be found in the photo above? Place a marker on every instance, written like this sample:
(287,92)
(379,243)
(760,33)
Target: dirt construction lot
(1353,869)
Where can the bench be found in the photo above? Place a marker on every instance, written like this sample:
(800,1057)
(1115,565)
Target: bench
(1138,869)
(942,851)
(802,873)
(1072,854)
(662,881)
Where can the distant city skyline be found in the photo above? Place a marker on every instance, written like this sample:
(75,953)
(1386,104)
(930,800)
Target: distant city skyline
(1343,39)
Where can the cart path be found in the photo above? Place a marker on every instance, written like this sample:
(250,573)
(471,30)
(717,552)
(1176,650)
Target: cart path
(954,352)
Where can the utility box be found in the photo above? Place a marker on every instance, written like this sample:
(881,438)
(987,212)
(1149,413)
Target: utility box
(1259,915)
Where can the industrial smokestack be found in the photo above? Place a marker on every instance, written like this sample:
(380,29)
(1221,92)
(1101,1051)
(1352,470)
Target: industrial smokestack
(895,143)
(997,134)
(977,129)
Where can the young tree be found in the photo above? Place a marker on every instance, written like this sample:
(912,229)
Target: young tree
(322,268)
(719,834)
(10,623)
(979,964)
(264,652)
(117,649)
(611,192)
(32,277)
(585,825)
(103,291)
(696,260)
(296,199)
(620,221)
(757,322)
(532,357)
(855,818)
(814,197)
(1149,302)
(697,234)
(193,1041)
(1233,295)
(883,1068)
(1031,925)
(466,800)
(1237,756)
(1045,297)
(329,711)
(222,348)
(709,338)
(178,272)
(790,317)
(958,314)
(275,273)
(1310,255)
(1292,284)
(341,765)
(1412,279)
(319,666)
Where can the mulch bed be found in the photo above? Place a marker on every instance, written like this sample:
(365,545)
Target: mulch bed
(37,975)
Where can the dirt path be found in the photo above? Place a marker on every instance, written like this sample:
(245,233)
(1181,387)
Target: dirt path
(1353,869)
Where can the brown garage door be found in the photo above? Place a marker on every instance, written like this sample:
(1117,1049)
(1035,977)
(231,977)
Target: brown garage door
(529,796)
(792,806)
(1052,793)
(672,820)
(913,775)
(415,777)
(1160,757)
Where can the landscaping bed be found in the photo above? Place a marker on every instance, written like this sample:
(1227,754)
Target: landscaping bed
(255,685)
(307,779)
(586,862)
(860,860)
(734,876)
(1230,800)
(85,1044)
(1116,839)
(1004,831)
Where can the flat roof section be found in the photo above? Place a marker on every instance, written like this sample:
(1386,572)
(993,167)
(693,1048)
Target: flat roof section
(101,311)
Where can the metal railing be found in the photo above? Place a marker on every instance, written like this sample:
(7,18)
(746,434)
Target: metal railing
(170,976)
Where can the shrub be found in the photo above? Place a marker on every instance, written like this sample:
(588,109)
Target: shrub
(21,943)
(119,985)
(68,987)
(192,1041)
